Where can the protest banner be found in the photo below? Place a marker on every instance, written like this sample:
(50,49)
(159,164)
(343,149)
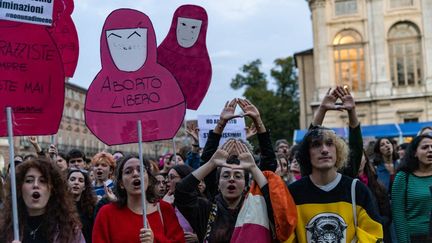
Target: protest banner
(184,53)
(131,85)
(27,11)
(31,79)
(235,128)
(65,35)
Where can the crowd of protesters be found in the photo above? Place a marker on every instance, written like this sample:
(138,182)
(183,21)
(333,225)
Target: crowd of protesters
(324,189)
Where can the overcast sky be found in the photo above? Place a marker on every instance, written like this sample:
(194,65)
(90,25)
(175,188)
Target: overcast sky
(239,31)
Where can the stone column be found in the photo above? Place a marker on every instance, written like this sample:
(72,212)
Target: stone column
(380,85)
(320,43)
(426,8)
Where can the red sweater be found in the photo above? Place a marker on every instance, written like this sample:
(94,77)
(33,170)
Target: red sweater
(114,224)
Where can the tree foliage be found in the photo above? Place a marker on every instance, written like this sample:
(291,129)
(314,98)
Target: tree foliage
(279,108)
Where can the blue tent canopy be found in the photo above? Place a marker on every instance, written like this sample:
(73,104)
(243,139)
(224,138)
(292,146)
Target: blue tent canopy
(385,130)
(412,128)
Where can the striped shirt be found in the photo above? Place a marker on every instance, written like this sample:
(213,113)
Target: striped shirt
(411,205)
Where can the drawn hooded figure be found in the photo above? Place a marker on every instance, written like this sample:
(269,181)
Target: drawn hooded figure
(32,79)
(184,53)
(131,85)
(65,35)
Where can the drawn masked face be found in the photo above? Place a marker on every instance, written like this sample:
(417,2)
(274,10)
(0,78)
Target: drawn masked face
(188,31)
(128,48)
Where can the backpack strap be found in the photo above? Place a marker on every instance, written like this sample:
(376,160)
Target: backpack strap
(353,200)
(211,219)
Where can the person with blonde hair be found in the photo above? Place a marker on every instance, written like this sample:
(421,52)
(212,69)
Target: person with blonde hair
(323,195)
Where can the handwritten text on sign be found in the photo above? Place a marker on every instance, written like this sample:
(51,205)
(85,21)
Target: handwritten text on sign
(27,11)
(31,79)
(235,128)
(145,91)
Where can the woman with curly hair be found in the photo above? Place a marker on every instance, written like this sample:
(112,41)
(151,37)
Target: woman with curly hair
(411,198)
(84,197)
(122,221)
(45,209)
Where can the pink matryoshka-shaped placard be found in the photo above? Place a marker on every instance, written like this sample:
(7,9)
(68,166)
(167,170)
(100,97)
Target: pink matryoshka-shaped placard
(31,79)
(184,53)
(65,35)
(132,86)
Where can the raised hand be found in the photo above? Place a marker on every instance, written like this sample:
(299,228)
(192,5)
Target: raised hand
(52,150)
(221,155)
(346,98)
(228,111)
(247,161)
(192,130)
(329,100)
(32,139)
(109,194)
(248,108)
(250,131)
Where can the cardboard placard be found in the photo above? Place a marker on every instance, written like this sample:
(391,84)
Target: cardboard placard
(235,128)
(31,79)
(65,35)
(184,53)
(27,11)
(132,86)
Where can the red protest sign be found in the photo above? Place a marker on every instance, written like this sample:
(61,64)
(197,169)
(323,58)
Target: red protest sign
(65,35)
(131,85)
(31,79)
(184,53)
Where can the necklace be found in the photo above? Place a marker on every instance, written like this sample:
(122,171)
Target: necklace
(33,232)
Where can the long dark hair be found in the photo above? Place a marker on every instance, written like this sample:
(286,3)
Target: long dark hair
(88,199)
(121,192)
(377,188)
(60,218)
(410,162)
(378,158)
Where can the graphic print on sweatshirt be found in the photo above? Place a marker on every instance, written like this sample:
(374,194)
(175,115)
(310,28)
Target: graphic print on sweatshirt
(326,227)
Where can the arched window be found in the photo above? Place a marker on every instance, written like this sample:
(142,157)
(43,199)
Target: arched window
(405,54)
(349,60)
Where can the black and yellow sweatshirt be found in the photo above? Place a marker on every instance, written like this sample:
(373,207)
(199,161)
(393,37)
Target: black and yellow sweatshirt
(328,216)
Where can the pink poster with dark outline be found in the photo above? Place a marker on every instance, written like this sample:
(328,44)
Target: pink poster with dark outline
(131,85)
(184,53)
(31,79)
(65,35)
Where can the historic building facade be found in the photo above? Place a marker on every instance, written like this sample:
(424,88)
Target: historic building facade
(382,49)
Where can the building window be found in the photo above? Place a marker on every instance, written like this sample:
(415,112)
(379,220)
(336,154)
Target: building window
(349,60)
(345,7)
(407,120)
(401,3)
(405,54)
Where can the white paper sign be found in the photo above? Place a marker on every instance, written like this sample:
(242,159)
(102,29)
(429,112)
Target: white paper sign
(235,128)
(27,11)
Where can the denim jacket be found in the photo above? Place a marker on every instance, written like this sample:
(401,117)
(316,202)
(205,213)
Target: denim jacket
(384,175)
